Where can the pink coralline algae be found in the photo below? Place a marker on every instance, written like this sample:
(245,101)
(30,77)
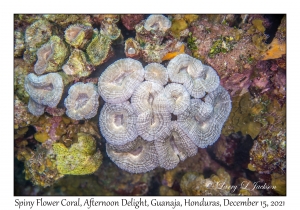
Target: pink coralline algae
(129,21)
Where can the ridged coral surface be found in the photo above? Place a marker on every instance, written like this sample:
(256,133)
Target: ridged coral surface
(35,108)
(175,147)
(78,35)
(176,66)
(138,156)
(51,56)
(46,89)
(98,49)
(77,65)
(156,72)
(120,79)
(166,116)
(143,97)
(157,22)
(117,123)
(82,101)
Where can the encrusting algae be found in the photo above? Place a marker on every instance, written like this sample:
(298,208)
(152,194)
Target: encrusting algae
(81,158)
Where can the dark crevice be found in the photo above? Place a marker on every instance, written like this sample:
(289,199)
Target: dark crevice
(275,20)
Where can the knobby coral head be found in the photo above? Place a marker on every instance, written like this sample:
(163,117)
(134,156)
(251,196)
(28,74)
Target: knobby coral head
(144,122)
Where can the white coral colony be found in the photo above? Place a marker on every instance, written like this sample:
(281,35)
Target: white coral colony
(147,125)
(157,22)
(82,101)
(120,79)
(45,90)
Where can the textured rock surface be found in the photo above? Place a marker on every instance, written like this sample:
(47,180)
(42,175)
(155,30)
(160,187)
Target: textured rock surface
(82,101)
(36,35)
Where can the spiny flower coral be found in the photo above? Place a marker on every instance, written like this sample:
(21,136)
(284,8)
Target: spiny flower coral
(51,56)
(45,90)
(143,117)
(82,101)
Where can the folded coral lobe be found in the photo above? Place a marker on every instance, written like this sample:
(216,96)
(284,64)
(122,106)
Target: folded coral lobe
(138,156)
(118,123)
(51,56)
(156,72)
(46,89)
(82,101)
(120,79)
(203,121)
(157,22)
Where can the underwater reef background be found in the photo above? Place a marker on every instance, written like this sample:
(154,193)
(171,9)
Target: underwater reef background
(58,147)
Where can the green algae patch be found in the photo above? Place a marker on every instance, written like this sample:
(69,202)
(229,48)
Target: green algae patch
(252,128)
(221,45)
(178,26)
(41,137)
(81,158)
(98,50)
(258,24)
(279,181)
